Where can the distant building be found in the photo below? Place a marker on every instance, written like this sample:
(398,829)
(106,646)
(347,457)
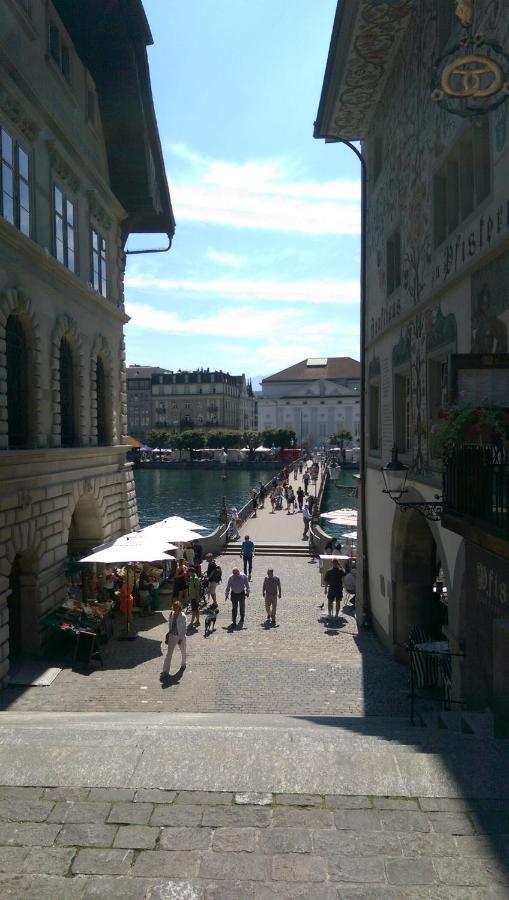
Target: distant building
(139,400)
(315,397)
(178,401)
(82,168)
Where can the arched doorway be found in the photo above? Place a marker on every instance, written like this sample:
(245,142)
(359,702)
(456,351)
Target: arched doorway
(68,396)
(417,576)
(22,606)
(18,383)
(85,530)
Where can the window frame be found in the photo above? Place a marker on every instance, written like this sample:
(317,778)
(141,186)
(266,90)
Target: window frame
(18,178)
(375,449)
(63,216)
(402,410)
(59,51)
(102,258)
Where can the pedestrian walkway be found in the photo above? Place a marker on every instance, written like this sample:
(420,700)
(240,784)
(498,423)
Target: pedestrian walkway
(277,527)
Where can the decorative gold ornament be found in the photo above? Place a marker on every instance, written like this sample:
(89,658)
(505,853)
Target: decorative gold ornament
(472,76)
(465,12)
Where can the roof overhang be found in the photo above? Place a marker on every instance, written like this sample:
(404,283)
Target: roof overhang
(365,39)
(111,38)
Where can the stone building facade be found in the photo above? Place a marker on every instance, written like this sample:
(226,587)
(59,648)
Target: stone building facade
(203,399)
(68,202)
(315,397)
(436,324)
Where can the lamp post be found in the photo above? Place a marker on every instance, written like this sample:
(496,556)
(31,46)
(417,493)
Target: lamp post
(395,474)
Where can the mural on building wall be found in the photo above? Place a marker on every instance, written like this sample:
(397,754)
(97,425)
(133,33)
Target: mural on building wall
(490,307)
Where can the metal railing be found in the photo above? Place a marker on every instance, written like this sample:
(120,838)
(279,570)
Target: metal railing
(476,486)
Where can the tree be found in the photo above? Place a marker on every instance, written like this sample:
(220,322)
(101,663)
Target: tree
(279,437)
(218,438)
(340,436)
(192,440)
(251,439)
(178,444)
(159,438)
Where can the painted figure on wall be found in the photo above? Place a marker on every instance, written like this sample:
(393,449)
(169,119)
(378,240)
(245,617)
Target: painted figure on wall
(490,307)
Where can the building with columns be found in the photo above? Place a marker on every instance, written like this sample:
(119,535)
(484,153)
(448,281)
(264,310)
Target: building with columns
(435,322)
(315,397)
(203,399)
(82,169)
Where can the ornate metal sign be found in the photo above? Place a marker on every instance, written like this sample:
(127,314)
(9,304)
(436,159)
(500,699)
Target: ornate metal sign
(472,77)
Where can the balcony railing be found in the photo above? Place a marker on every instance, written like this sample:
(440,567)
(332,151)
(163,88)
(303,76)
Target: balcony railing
(476,486)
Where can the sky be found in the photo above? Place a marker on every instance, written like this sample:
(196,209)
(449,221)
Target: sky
(264,266)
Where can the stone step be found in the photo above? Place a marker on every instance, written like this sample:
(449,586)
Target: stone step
(322,755)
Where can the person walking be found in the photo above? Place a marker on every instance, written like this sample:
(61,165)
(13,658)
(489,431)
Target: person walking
(214,575)
(254,502)
(177,628)
(237,587)
(306,516)
(300,468)
(194,592)
(305,479)
(333,581)
(271,590)
(247,551)
(311,503)
(291,501)
(300,497)
(262,493)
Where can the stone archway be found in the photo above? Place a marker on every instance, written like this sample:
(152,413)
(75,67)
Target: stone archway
(415,561)
(85,527)
(23,606)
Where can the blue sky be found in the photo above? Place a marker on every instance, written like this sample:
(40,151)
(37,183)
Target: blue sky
(264,266)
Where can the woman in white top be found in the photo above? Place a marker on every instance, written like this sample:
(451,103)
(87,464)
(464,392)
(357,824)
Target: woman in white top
(177,629)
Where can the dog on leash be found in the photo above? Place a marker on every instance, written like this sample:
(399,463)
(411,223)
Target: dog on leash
(211,613)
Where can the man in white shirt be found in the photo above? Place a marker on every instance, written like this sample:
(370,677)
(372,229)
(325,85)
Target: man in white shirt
(306,515)
(177,630)
(238,587)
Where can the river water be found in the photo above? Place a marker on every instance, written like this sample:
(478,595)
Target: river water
(197,493)
(193,493)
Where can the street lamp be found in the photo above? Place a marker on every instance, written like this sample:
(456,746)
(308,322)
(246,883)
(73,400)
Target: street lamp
(395,475)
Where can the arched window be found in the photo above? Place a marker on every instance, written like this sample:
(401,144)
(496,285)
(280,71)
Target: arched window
(102,403)
(18,412)
(68,430)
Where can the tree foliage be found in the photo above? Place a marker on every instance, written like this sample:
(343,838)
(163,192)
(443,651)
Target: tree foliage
(192,440)
(279,437)
(342,435)
(159,438)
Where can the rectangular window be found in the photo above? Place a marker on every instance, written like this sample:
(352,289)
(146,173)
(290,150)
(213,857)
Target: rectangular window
(99,264)
(393,262)
(403,412)
(64,229)
(462,182)
(374,417)
(15,183)
(59,51)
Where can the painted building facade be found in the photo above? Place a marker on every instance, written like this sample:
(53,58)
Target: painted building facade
(315,397)
(437,255)
(70,197)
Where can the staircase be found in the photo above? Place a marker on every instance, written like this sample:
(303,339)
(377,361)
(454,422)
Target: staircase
(271,549)
(479,724)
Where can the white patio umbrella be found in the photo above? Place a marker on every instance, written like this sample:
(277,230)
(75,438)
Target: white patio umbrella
(350,536)
(262,449)
(176,520)
(346,513)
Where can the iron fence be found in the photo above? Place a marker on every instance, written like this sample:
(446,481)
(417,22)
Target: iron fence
(476,486)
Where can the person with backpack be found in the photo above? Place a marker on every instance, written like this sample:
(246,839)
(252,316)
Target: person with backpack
(247,551)
(300,497)
(305,479)
(333,581)
(214,575)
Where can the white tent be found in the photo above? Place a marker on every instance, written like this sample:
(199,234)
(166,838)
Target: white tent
(346,514)
(172,521)
(262,449)
(133,547)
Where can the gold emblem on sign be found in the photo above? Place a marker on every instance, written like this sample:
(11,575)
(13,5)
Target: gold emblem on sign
(472,76)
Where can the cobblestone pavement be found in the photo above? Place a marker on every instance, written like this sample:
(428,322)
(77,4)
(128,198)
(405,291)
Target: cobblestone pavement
(84,843)
(301,667)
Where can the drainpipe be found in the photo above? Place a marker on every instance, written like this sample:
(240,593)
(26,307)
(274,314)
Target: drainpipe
(366,601)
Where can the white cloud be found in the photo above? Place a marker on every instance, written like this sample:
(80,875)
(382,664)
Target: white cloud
(311,291)
(231,260)
(264,194)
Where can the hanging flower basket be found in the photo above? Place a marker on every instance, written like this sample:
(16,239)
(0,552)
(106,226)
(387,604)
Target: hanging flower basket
(465,423)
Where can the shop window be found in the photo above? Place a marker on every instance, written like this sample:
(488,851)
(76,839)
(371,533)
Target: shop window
(403,411)
(68,406)
(393,262)
(17,384)
(15,180)
(64,229)
(374,417)
(462,182)
(99,266)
